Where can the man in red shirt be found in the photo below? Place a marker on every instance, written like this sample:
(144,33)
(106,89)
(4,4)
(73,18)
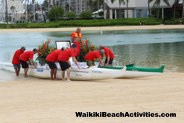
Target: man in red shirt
(63,59)
(76,38)
(16,61)
(27,57)
(109,55)
(91,56)
(51,59)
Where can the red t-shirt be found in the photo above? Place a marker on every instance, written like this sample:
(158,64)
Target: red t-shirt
(16,56)
(53,56)
(108,53)
(66,54)
(26,56)
(77,52)
(92,55)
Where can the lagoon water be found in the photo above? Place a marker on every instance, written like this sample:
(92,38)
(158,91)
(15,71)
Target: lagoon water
(141,47)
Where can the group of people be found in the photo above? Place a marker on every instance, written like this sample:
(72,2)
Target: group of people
(62,56)
(24,58)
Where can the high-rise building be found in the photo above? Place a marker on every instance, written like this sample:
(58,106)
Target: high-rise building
(76,6)
(15,10)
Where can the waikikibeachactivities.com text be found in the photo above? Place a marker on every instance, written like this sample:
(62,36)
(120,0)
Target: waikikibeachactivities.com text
(123,114)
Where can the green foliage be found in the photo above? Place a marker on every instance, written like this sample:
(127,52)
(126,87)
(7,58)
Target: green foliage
(43,51)
(71,15)
(94,22)
(86,15)
(55,13)
(174,21)
(85,47)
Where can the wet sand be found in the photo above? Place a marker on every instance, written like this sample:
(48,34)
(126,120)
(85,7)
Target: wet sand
(34,100)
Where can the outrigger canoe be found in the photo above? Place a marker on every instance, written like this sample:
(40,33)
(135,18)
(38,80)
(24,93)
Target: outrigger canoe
(91,73)
(133,71)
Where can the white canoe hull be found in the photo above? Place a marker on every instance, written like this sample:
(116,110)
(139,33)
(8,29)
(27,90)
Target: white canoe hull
(92,73)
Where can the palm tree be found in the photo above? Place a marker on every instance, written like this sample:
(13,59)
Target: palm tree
(157,4)
(127,1)
(12,8)
(183,11)
(90,3)
(122,1)
(149,12)
(175,3)
(6,1)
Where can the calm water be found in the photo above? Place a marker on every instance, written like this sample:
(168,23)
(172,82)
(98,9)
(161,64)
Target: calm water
(142,47)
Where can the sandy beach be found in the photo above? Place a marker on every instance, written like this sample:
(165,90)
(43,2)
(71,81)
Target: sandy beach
(43,101)
(96,28)
(32,100)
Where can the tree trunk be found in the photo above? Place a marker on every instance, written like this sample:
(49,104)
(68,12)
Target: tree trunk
(162,13)
(6,11)
(158,12)
(127,9)
(148,9)
(174,11)
(183,11)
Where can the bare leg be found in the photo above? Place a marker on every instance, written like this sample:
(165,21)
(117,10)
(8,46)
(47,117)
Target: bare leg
(63,75)
(52,73)
(68,74)
(18,71)
(55,72)
(25,72)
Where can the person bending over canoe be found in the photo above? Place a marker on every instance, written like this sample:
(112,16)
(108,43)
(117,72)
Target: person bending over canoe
(63,60)
(76,38)
(27,57)
(91,56)
(16,61)
(109,55)
(51,59)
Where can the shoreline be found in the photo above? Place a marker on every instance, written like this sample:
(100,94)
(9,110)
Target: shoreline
(104,28)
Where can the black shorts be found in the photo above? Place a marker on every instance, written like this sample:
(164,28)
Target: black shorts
(16,66)
(64,65)
(24,64)
(110,61)
(52,65)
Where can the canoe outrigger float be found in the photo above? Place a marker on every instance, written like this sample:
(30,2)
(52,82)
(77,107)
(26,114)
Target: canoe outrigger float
(133,71)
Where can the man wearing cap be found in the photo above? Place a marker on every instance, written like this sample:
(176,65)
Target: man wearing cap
(51,59)
(91,56)
(109,55)
(63,60)
(16,61)
(27,57)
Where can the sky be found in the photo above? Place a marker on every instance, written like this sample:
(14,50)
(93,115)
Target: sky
(40,1)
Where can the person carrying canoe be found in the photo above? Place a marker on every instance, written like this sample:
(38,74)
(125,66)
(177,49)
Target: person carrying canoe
(108,54)
(63,59)
(51,59)
(16,61)
(91,56)
(76,39)
(25,57)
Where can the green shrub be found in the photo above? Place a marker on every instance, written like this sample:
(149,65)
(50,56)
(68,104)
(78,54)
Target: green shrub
(55,13)
(86,15)
(71,15)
